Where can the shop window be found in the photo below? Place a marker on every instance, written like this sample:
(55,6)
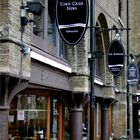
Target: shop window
(66,124)
(27,118)
(38,117)
(56,113)
(54,118)
(85,120)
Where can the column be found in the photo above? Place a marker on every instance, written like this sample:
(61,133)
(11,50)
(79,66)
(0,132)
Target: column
(76,123)
(105,122)
(4,113)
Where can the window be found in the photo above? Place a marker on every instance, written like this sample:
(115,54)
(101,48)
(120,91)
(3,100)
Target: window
(98,49)
(55,42)
(45,34)
(62,49)
(119,8)
(51,23)
(38,117)
(38,27)
(66,123)
(27,117)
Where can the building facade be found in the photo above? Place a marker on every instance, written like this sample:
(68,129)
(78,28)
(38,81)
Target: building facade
(134,49)
(45,83)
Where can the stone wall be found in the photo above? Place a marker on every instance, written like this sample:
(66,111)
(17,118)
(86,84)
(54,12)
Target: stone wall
(79,62)
(78,58)
(12,60)
(134,25)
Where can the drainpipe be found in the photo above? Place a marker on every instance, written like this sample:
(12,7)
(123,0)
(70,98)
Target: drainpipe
(127,95)
(92,68)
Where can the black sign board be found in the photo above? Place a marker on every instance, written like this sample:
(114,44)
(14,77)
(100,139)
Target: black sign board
(72,19)
(132,74)
(116,57)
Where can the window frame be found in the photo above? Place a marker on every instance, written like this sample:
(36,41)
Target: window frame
(37,41)
(43,44)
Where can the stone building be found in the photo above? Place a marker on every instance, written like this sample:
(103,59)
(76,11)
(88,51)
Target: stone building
(45,83)
(134,49)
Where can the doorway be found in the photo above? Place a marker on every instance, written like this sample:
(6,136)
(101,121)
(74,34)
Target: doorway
(136,120)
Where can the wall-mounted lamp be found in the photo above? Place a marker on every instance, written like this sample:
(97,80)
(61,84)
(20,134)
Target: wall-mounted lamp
(27,50)
(116,90)
(132,57)
(118,34)
(23,16)
(34,7)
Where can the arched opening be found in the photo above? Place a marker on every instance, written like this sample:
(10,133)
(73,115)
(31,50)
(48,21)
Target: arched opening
(103,109)
(102,41)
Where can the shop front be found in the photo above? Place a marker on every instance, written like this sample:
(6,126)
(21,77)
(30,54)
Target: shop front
(39,112)
(34,117)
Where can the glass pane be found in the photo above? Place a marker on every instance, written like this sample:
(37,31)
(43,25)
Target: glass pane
(66,124)
(54,118)
(51,23)
(38,21)
(27,117)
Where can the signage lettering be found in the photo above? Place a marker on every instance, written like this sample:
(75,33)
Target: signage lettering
(72,19)
(115,57)
(68,4)
(132,74)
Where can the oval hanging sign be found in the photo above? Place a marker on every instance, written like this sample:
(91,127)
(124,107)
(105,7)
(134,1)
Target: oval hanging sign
(132,74)
(116,57)
(72,19)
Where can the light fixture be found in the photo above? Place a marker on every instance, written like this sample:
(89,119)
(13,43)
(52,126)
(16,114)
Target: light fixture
(23,16)
(34,7)
(132,57)
(116,90)
(118,34)
(27,50)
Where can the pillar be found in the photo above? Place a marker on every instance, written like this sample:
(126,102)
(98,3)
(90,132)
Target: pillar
(105,122)
(76,123)
(4,113)
(75,102)
(9,87)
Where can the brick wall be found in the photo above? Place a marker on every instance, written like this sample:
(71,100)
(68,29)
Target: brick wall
(79,62)
(10,36)
(134,25)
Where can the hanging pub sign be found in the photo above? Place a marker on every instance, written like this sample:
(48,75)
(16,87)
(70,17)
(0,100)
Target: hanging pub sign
(115,56)
(72,19)
(132,74)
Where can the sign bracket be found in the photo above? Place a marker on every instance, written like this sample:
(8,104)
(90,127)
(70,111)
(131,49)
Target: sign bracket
(95,54)
(114,28)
